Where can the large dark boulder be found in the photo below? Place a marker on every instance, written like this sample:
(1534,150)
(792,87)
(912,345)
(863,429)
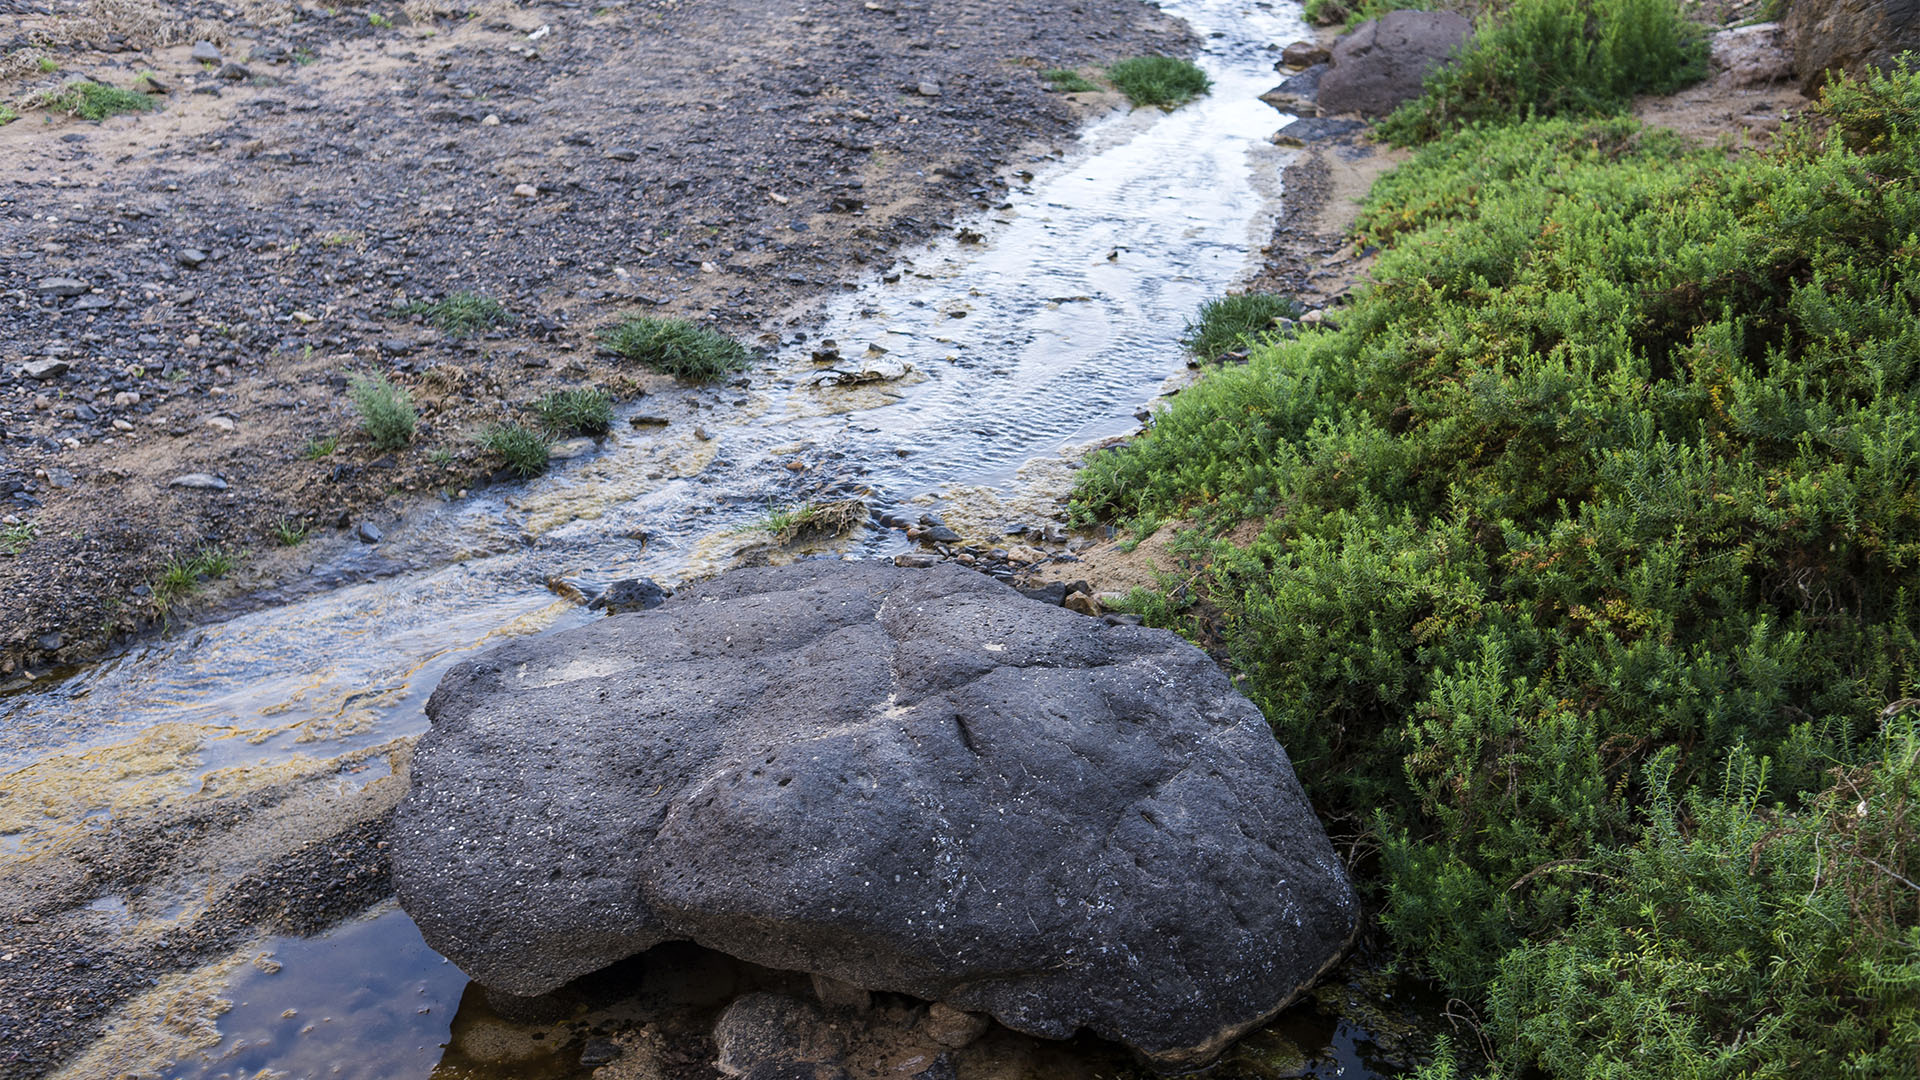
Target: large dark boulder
(1383,62)
(1848,35)
(907,780)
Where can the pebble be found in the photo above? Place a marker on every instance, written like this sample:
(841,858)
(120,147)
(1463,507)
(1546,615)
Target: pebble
(126,399)
(489,120)
(61,286)
(525,191)
(915,560)
(928,88)
(122,425)
(221,424)
(234,72)
(568,449)
(190,257)
(199,481)
(367,533)
(206,52)
(44,369)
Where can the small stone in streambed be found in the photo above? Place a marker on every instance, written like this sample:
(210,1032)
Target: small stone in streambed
(568,449)
(915,560)
(367,533)
(761,1029)
(632,594)
(59,286)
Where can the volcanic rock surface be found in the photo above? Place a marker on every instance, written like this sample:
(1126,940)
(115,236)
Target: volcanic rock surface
(907,780)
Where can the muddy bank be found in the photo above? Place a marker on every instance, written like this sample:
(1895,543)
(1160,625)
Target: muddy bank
(182,292)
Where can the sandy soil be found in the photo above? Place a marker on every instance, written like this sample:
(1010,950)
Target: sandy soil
(236,253)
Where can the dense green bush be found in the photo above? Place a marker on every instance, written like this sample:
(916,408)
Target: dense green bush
(1611,481)
(1542,58)
(1159,80)
(676,347)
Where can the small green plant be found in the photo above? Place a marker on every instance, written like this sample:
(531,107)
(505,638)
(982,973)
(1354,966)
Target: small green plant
(289,532)
(1159,80)
(379,20)
(386,411)
(585,410)
(319,448)
(1235,321)
(810,520)
(339,239)
(48,65)
(460,314)
(303,57)
(441,456)
(1068,81)
(181,577)
(15,538)
(7,115)
(676,347)
(92,101)
(523,449)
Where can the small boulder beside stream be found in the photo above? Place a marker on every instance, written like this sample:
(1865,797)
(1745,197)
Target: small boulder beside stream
(906,780)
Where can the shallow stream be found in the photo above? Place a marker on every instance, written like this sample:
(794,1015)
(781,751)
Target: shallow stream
(1035,329)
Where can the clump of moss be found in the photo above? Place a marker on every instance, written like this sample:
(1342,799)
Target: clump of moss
(93,101)
(585,410)
(1159,80)
(1068,81)
(1233,322)
(523,449)
(676,347)
(461,314)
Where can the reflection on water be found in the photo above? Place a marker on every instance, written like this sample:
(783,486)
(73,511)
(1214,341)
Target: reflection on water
(370,1001)
(365,1001)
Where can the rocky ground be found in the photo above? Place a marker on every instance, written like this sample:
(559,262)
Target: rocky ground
(184,293)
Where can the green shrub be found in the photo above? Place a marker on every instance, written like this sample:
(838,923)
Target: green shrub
(7,115)
(386,411)
(584,410)
(523,449)
(1159,80)
(1542,58)
(1235,321)
(676,347)
(92,101)
(461,314)
(1355,12)
(1068,81)
(1609,482)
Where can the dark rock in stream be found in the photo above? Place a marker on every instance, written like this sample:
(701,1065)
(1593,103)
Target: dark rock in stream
(915,781)
(1385,61)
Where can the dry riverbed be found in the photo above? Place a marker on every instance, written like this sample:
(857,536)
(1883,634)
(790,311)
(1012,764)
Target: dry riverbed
(183,293)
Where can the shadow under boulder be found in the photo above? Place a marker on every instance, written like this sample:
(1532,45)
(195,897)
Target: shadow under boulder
(904,780)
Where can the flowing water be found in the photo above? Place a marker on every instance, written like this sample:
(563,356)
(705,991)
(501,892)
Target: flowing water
(1035,329)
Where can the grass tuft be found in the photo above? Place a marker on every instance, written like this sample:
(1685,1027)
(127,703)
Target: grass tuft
(92,101)
(585,410)
(1159,80)
(523,449)
(386,411)
(15,538)
(289,532)
(1068,81)
(7,115)
(676,347)
(461,314)
(181,577)
(1233,322)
